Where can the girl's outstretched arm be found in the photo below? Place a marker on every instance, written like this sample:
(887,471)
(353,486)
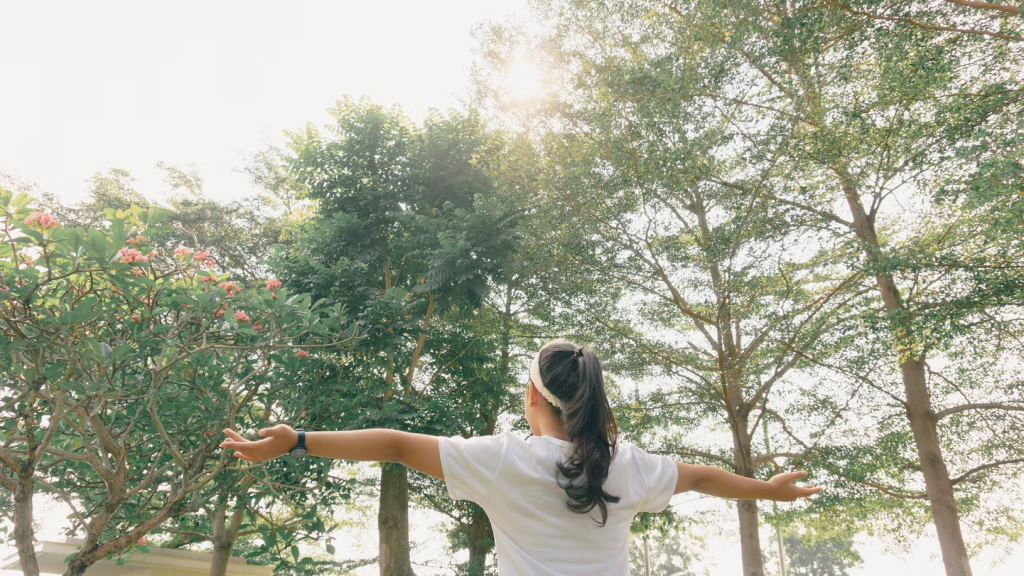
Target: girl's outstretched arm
(417,451)
(717,482)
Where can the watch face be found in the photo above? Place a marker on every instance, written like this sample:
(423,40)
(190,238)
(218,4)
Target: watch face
(297,452)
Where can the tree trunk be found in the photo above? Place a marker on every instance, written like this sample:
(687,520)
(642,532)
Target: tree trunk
(933,466)
(647,557)
(23,534)
(481,540)
(750,536)
(225,533)
(919,411)
(419,342)
(393,521)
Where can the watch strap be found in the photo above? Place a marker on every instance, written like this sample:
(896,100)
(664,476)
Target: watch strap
(299,451)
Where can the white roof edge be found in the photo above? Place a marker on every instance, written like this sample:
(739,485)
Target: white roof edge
(157,557)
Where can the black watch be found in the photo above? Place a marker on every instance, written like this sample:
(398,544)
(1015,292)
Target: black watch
(300,449)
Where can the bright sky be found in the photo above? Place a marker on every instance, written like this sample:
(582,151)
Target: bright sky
(89,86)
(93,85)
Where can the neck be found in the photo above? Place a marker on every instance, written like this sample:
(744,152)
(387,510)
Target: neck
(549,425)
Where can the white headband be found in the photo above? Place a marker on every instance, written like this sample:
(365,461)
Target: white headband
(539,384)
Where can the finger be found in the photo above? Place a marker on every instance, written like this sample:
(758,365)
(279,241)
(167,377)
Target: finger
(791,476)
(264,432)
(245,457)
(231,444)
(233,435)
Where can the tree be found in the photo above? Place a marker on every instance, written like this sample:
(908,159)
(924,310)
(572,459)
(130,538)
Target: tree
(820,556)
(268,171)
(275,505)
(239,234)
(665,236)
(661,553)
(829,113)
(408,231)
(875,109)
(120,365)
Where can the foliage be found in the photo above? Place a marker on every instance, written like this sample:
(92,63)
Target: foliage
(122,362)
(409,233)
(832,190)
(819,557)
(669,551)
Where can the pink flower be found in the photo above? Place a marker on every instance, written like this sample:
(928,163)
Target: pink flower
(135,317)
(301,353)
(182,252)
(230,287)
(201,255)
(134,240)
(142,541)
(131,255)
(258,326)
(209,279)
(210,263)
(219,314)
(137,272)
(242,316)
(273,284)
(41,220)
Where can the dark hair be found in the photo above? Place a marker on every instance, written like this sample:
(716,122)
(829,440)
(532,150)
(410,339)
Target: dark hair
(573,375)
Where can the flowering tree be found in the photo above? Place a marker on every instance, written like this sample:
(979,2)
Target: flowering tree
(120,364)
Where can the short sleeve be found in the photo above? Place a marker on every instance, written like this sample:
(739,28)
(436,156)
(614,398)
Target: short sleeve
(659,475)
(471,465)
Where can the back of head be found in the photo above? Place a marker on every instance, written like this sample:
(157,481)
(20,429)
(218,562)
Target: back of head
(573,374)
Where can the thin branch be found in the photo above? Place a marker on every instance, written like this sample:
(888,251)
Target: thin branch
(977,469)
(889,492)
(979,406)
(921,24)
(1007,8)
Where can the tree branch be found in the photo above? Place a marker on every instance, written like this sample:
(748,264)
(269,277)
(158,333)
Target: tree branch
(977,469)
(923,25)
(978,406)
(1007,8)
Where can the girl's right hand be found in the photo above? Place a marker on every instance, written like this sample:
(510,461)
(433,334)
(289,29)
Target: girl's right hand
(784,489)
(277,441)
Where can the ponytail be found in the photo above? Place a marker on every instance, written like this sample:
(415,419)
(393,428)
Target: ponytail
(573,375)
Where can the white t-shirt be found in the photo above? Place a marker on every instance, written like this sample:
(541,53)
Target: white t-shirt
(516,482)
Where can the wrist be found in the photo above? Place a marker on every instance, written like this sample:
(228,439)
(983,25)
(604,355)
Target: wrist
(773,491)
(298,448)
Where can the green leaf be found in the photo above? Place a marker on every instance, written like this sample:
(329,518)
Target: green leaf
(56,370)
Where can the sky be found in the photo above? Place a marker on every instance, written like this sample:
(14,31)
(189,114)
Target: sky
(90,86)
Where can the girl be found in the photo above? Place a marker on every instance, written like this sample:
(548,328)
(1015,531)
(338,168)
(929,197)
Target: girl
(561,501)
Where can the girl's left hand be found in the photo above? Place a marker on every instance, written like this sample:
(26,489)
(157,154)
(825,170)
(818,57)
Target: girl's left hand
(277,441)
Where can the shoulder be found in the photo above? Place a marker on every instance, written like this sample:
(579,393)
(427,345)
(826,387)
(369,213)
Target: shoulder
(640,459)
(492,440)
(629,450)
(481,447)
